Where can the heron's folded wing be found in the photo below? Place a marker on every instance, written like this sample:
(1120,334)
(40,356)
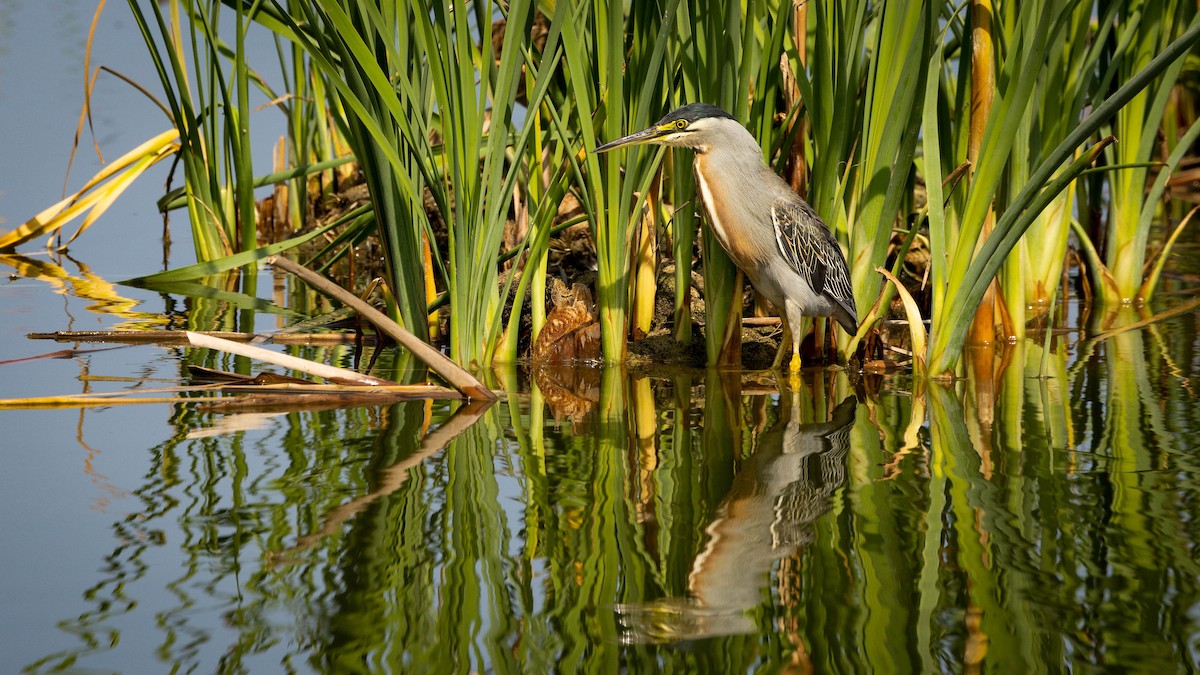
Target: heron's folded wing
(810,249)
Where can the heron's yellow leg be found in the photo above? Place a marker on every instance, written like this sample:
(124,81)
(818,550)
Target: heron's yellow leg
(784,342)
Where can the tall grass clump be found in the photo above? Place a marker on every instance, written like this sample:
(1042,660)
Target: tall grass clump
(965,261)
(358,49)
(614,75)
(899,47)
(1064,88)
(483,150)
(1146,29)
(428,107)
(312,136)
(207,94)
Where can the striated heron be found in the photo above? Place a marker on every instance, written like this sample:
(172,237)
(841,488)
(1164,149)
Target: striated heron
(769,232)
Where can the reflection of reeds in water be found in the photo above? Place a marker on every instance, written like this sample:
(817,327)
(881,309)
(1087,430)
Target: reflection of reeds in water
(780,491)
(505,548)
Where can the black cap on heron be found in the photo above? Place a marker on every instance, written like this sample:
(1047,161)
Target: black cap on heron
(769,232)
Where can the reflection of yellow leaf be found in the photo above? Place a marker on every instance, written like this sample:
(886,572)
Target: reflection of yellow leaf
(88,286)
(123,171)
(36,269)
(916,419)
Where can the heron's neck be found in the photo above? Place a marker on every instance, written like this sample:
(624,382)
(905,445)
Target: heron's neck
(731,146)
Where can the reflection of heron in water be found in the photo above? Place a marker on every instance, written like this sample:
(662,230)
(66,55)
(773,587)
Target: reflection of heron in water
(767,515)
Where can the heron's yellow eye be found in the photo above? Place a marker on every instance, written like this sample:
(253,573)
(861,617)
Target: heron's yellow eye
(680,124)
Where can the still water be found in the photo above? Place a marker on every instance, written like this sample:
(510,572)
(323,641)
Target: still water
(596,521)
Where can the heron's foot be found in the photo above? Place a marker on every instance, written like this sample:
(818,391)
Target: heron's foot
(794,365)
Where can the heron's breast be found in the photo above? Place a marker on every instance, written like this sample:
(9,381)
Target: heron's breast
(732,223)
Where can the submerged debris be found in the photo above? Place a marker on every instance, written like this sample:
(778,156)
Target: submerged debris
(572,330)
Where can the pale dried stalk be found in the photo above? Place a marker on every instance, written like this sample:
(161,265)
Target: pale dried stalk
(284,360)
(453,373)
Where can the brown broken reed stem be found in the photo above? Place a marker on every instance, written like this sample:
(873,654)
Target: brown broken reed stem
(454,374)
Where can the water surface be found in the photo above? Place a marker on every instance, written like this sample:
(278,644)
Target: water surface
(699,521)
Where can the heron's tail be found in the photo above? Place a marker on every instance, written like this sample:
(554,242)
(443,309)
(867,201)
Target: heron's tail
(844,314)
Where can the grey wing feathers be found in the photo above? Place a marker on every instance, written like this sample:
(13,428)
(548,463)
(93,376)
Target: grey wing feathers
(810,249)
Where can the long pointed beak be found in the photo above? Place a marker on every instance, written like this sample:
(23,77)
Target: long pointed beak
(644,136)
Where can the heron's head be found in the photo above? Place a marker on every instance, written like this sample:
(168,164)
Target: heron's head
(694,125)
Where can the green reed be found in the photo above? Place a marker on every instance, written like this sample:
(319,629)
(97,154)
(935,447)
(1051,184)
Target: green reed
(887,138)
(207,94)
(537,179)
(1146,29)
(358,49)
(598,64)
(1064,88)
(312,137)
(475,98)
